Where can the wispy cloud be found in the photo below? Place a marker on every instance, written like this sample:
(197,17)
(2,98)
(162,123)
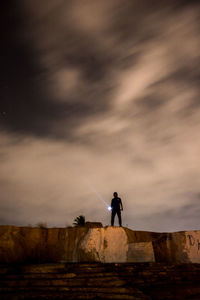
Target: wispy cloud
(110,94)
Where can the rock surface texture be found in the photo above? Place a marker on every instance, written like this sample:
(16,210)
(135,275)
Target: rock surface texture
(101,244)
(147,281)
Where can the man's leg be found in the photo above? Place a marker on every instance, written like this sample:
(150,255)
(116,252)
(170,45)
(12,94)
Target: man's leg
(113,217)
(119,217)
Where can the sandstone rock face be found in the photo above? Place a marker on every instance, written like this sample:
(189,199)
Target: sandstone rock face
(192,245)
(142,252)
(101,244)
(111,244)
(105,245)
(178,247)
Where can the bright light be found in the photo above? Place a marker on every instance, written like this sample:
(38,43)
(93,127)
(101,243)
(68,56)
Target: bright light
(109,208)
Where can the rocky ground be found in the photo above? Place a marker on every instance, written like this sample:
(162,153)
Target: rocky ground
(100,281)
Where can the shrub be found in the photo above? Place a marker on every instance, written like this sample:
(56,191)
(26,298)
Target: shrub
(79,221)
(42,225)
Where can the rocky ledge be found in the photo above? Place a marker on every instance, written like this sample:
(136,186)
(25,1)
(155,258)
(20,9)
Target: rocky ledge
(97,244)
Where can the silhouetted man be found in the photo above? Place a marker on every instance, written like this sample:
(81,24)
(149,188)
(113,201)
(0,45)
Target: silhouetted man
(116,206)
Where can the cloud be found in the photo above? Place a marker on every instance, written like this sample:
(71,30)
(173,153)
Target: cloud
(44,180)
(105,92)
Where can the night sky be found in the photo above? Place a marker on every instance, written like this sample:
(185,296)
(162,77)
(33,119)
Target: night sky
(98,96)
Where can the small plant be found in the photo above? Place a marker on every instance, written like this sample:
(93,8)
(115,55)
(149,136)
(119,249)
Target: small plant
(42,225)
(79,221)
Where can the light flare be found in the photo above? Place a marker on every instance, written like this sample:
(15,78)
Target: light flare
(98,194)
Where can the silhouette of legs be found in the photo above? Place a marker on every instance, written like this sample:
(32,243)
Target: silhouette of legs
(119,217)
(114,212)
(113,217)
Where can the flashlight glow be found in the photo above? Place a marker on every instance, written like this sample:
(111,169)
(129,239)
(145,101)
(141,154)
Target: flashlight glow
(97,194)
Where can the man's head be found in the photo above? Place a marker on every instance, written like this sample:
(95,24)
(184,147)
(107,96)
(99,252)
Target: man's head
(115,194)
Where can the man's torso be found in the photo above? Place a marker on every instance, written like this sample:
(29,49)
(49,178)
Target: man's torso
(116,203)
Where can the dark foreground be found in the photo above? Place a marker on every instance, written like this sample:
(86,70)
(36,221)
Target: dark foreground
(100,281)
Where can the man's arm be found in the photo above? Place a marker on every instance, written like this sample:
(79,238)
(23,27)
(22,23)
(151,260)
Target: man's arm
(111,203)
(121,204)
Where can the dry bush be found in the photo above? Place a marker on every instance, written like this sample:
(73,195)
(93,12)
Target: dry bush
(42,225)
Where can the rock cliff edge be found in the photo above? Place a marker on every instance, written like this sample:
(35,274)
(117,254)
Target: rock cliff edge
(101,244)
